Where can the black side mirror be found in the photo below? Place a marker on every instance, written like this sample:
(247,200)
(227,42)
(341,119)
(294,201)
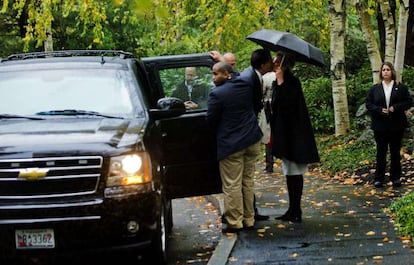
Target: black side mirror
(167,108)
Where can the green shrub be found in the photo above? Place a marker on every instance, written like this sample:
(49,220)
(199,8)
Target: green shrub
(403,210)
(357,87)
(344,153)
(318,96)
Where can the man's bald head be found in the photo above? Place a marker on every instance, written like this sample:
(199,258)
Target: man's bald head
(230,58)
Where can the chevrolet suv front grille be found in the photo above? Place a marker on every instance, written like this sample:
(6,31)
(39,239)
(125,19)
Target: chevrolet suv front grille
(49,177)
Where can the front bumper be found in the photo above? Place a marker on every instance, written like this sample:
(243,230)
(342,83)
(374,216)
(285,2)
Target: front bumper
(82,227)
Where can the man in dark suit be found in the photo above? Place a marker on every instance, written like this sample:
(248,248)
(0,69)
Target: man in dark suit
(230,114)
(261,63)
(192,92)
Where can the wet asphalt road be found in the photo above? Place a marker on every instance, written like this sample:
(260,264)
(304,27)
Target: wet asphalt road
(342,224)
(196,231)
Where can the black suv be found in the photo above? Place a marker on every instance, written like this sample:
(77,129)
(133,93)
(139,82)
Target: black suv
(92,150)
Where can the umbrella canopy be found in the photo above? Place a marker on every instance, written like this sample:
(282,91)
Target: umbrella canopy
(284,41)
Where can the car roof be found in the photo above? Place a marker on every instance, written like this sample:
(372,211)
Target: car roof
(101,56)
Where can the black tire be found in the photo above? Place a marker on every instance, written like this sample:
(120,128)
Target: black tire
(158,254)
(169,216)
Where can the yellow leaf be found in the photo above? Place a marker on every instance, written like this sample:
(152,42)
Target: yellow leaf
(370,233)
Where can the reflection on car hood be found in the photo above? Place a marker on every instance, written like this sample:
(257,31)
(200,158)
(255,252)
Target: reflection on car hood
(87,135)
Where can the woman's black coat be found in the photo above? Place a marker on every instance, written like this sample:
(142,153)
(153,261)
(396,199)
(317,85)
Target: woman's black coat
(401,101)
(293,137)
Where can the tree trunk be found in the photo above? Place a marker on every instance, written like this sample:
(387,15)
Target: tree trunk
(48,43)
(401,38)
(409,49)
(370,40)
(47,14)
(389,26)
(337,18)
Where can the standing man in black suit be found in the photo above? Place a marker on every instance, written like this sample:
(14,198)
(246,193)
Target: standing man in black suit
(387,102)
(261,63)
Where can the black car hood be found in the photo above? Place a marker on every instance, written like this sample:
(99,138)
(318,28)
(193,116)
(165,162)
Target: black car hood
(80,135)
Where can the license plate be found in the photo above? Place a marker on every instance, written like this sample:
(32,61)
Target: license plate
(35,238)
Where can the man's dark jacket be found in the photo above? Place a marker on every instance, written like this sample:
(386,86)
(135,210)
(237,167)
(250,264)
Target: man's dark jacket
(199,93)
(401,101)
(230,114)
(293,137)
(251,77)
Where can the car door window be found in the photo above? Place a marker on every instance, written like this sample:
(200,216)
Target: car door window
(191,83)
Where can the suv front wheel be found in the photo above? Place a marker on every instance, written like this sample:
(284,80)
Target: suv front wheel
(159,248)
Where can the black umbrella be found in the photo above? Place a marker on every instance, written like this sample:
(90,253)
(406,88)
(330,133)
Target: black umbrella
(284,41)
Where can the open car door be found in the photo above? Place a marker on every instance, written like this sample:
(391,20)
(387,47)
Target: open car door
(188,147)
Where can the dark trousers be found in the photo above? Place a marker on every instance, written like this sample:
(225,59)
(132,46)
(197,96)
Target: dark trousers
(269,158)
(391,139)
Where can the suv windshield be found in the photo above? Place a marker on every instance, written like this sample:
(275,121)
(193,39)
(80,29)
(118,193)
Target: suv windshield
(104,91)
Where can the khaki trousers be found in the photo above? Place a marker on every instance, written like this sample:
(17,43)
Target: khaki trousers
(237,173)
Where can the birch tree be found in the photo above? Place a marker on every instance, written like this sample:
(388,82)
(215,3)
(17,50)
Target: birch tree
(369,38)
(394,45)
(389,26)
(337,19)
(401,37)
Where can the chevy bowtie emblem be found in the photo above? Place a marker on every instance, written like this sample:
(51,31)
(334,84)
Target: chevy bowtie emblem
(33,173)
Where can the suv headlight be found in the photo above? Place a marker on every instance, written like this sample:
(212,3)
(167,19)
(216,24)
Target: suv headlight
(131,169)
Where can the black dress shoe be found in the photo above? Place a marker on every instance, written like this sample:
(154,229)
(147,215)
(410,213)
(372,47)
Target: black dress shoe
(289,218)
(396,183)
(294,219)
(248,228)
(223,219)
(282,217)
(285,216)
(231,230)
(378,184)
(259,217)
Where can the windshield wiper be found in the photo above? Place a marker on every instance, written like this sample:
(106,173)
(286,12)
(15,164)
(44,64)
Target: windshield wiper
(74,112)
(14,116)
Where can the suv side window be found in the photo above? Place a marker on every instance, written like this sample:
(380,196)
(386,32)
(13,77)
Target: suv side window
(191,83)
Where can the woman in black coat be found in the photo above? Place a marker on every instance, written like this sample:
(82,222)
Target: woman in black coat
(293,138)
(387,102)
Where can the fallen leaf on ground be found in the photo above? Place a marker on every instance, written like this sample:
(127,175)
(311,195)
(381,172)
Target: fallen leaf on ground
(281,226)
(370,233)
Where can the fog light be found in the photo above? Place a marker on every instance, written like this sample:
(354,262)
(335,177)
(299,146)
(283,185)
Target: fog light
(132,227)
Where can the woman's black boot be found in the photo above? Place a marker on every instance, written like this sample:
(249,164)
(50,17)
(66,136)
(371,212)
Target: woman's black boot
(287,215)
(296,215)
